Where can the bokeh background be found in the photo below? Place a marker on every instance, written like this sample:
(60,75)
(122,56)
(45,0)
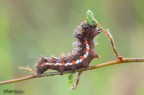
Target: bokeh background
(33,28)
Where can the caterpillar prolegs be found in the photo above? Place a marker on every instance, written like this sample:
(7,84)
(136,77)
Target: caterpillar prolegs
(81,56)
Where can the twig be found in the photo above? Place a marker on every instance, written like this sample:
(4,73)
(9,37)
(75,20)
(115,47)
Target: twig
(111,39)
(124,60)
(77,81)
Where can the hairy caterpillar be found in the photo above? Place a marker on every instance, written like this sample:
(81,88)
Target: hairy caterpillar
(82,54)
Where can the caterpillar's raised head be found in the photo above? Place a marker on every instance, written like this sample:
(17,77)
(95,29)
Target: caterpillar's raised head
(87,29)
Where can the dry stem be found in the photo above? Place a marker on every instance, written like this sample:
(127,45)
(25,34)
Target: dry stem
(118,61)
(124,60)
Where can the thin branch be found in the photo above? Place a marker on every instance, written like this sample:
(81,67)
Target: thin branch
(112,41)
(77,81)
(124,60)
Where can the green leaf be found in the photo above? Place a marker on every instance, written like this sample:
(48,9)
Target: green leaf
(70,78)
(90,18)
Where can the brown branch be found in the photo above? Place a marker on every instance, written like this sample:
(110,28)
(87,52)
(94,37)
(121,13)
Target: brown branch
(124,60)
(112,41)
(118,61)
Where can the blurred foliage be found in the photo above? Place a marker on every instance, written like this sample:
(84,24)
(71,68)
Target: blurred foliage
(32,28)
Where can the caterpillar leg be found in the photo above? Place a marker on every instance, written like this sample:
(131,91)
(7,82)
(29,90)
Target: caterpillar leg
(73,68)
(98,31)
(40,71)
(61,70)
(85,64)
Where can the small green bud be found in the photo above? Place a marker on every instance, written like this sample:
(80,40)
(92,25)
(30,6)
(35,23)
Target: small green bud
(70,78)
(90,18)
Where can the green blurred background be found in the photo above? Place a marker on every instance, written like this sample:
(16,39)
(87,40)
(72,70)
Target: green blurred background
(32,28)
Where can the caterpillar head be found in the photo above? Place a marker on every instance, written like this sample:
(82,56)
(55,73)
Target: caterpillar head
(88,28)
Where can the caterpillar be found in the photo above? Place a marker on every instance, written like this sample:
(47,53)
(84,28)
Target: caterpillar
(82,54)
